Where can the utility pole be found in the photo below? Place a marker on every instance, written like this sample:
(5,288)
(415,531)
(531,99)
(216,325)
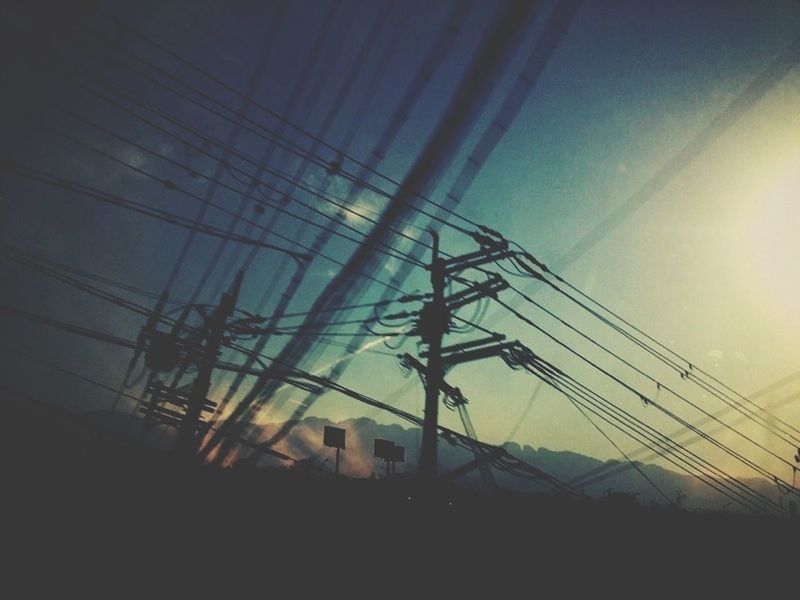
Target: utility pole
(187,432)
(434,321)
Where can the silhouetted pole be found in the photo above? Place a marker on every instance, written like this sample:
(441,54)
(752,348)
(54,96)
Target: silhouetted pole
(338,450)
(187,433)
(434,320)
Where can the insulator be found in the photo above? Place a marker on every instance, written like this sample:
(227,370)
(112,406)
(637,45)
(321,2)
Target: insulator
(457,398)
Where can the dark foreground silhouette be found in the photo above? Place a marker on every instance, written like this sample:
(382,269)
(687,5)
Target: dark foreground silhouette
(75,495)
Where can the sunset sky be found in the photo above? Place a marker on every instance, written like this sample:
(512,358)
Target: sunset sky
(708,263)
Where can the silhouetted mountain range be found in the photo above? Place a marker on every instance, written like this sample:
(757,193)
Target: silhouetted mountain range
(305,444)
(565,465)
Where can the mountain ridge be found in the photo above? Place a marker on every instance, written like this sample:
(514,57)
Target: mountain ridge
(306,445)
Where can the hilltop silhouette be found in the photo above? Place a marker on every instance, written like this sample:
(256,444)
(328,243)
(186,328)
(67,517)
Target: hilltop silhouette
(357,461)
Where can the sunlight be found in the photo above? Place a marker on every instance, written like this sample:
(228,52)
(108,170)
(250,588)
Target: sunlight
(775,240)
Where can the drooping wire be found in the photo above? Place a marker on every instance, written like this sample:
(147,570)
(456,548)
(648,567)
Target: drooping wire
(686,373)
(608,438)
(650,402)
(659,385)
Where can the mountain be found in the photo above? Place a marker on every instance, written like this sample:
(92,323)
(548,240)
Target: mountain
(619,479)
(357,460)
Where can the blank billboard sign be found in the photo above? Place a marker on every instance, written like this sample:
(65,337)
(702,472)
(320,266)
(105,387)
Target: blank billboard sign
(383,449)
(333,437)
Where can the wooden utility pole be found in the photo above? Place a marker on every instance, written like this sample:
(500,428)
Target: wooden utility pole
(187,432)
(433,324)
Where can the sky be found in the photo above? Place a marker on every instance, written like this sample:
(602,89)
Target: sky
(706,264)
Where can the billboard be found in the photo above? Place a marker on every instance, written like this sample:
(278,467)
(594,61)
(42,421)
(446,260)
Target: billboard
(383,449)
(333,437)
(387,450)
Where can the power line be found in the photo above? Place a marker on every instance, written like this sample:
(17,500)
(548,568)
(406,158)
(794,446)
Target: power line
(692,368)
(537,61)
(389,251)
(267,134)
(294,181)
(508,462)
(463,440)
(148,77)
(82,331)
(20,170)
(340,217)
(462,9)
(319,311)
(233,135)
(402,299)
(605,471)
(671,452)
(43,268)
(344,90)
(525,411)
(687,373)
(101,385)
(639,469)
(740,492)
(455,123)
(174,219)
(650,402)
(10,253)
(6,249)
(408,100)
(659,384)
(620,419)
(724,486)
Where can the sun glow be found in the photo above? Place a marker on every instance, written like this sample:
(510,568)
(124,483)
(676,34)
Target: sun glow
(775,240)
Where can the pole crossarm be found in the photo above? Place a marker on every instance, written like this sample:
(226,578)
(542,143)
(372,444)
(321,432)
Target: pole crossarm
(453,393)
(490,288)
(498,337)
(498,251)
